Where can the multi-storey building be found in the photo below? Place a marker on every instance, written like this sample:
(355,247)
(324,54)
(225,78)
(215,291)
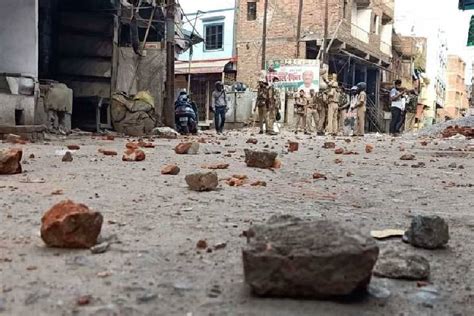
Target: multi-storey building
(358,41)
(457,98)
(212,60)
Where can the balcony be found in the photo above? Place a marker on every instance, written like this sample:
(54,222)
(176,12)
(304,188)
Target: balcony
(386,48)
(360,33)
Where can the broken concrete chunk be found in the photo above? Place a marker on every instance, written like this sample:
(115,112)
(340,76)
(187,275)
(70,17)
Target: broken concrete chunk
(260,159)
(133,155)
(329,145)
(108,152)
(10,161)
(253,141)
(202,181)
(430,232)
(407,157)
(293,146)
(395,264)
(170,170)
(67,157)
(73,147)
(187,149)
(165,132)
(71,225)
(318,259)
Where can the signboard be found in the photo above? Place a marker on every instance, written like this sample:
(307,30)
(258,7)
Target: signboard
(294,74)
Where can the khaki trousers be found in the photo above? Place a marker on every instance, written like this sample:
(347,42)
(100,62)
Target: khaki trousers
(271,117)
(410,121)
(333,112)
(321,120)
(300,122)
(341,118)
(262,117)
(360,124)
(312,116)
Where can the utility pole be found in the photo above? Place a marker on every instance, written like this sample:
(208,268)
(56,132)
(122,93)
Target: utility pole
(168,108)
(326,31)
(264,35)
(298,29)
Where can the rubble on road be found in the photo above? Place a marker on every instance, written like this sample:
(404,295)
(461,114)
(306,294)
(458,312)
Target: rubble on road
(73,147)
(369,148)
(14,139)
(133,155)
(67,157)
(202,181)
(70,225)
(108,152)
(452,131)
(165,132)
(407,157)
(396,264)
(329,145)
(187,149)
(10,161)
(217,166)
(170,170)
(253,141)
(260,159)
(430,232)
(318,176)
(317,259)
(437,130)
(293,146)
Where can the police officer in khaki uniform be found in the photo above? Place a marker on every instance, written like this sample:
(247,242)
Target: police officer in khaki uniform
(263,97)
(312,113)
(274,104)
(333,108)
(301,107)
(361,107)
(321,107)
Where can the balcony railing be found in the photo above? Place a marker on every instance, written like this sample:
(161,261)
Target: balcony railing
(360,33)
(386,48)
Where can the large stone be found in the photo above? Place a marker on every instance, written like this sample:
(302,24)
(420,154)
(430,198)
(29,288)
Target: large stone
(10,161)
(430,232)
(260,159)
(165,132)
(395,264)
(71,225)
(133,155)
(300,259)
(202,181)
(187,148)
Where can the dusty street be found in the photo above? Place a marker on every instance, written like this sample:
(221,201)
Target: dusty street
(153,223)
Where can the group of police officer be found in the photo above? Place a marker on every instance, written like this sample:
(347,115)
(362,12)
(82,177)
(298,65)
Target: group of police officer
(327,110)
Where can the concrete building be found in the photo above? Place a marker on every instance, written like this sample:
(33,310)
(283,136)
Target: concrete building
(457,97)
(433,95)
(92,46)
(212,60)
(360,50)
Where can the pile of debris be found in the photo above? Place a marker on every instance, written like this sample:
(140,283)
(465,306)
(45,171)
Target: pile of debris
(133,116)
(451,131)
(463,126)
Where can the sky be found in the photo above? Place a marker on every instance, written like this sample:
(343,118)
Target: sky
(428,15)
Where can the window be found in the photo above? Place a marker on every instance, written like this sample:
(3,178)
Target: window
(344,9)
(214,35)
(377,24)
(251,11)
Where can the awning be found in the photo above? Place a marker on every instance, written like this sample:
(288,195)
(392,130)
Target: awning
(201,67)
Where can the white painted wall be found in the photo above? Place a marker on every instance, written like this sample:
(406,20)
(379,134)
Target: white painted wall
(222,11)
(19,36)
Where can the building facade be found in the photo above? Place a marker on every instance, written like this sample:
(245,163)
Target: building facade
(212,60)
(457,97)
(358,43)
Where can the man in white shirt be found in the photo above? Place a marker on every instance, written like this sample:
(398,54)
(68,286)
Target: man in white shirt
(397,107)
